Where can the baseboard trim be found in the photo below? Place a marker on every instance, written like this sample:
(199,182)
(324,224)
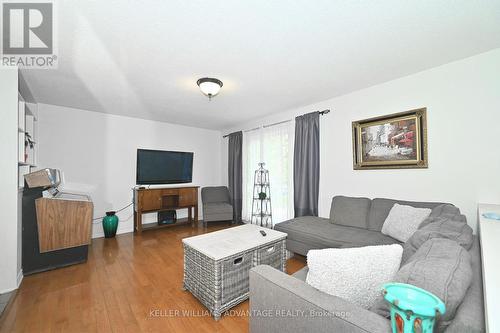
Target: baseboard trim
(100,233)
(124,227)
(20,277)
(8,290)
(7,306)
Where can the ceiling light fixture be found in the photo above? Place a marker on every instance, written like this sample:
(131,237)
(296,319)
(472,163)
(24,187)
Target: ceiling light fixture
(210,87)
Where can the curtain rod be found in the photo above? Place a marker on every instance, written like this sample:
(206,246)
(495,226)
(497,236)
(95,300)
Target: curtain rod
(278,123)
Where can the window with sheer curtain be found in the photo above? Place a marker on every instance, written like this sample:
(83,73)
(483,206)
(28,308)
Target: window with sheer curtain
(272,145)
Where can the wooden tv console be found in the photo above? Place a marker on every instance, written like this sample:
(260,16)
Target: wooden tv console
(150,200)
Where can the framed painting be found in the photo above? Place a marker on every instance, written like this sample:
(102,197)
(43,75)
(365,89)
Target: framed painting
(394,141)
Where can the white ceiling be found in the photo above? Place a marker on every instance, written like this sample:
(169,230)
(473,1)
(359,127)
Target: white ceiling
(142,58)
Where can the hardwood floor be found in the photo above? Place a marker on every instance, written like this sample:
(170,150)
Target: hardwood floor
(129,284)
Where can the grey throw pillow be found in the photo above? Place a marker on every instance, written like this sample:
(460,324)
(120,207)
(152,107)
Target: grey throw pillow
(440,266)
(403,221)
(439,227)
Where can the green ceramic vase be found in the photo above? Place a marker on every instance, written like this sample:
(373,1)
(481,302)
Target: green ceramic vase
(110,224)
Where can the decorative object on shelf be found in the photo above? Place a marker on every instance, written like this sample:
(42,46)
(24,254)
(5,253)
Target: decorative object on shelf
(210,87)
(27,135)
(261,204)
(412,309)
(395,141)
(28,140)
(110,224)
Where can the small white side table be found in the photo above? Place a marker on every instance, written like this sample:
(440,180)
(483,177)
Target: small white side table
(489,233)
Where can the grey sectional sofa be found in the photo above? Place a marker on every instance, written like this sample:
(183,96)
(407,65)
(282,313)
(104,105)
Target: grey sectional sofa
(353,222)
(284,303)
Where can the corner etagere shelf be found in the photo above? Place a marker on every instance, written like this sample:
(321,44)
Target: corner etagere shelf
(27,129)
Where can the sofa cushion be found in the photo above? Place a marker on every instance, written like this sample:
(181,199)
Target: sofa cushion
(439,227)
(351,212)
(444,210)
(470,314)
(440,266)
(218,207)
(354,274)
(319,233)
(403,221)
(380,209)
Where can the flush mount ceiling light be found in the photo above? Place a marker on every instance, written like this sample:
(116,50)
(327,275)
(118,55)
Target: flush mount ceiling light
(210,87)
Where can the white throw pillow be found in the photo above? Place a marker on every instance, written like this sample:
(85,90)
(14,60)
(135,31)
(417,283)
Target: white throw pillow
(403,221)
(355,274)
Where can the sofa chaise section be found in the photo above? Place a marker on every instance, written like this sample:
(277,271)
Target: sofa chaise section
(353,222)
(307,233)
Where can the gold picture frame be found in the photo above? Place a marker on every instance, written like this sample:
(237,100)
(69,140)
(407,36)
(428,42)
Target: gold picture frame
(395,141)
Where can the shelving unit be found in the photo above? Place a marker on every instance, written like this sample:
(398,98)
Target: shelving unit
(27,138)
(261,203)
(155,225)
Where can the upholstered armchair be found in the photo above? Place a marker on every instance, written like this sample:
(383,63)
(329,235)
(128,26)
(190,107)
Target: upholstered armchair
(216,204)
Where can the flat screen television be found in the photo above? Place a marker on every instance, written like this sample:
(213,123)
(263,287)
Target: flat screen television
(163,167)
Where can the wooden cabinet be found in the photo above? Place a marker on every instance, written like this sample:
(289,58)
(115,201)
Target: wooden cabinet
(187,197)
(63,224)
(149,200)
(158,199)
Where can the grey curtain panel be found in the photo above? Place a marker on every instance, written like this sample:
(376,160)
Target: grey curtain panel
(234,169)
(306,165)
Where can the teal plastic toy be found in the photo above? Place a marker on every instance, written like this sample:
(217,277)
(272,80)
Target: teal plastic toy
(492,216)
(413,310)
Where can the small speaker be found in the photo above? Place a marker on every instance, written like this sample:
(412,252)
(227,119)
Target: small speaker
(167,217)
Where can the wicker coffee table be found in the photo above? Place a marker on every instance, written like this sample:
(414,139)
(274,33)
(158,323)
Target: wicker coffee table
(217,264)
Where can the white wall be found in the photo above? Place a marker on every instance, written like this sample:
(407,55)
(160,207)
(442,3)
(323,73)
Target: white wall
(9,259)
(463,109)
(97,153)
